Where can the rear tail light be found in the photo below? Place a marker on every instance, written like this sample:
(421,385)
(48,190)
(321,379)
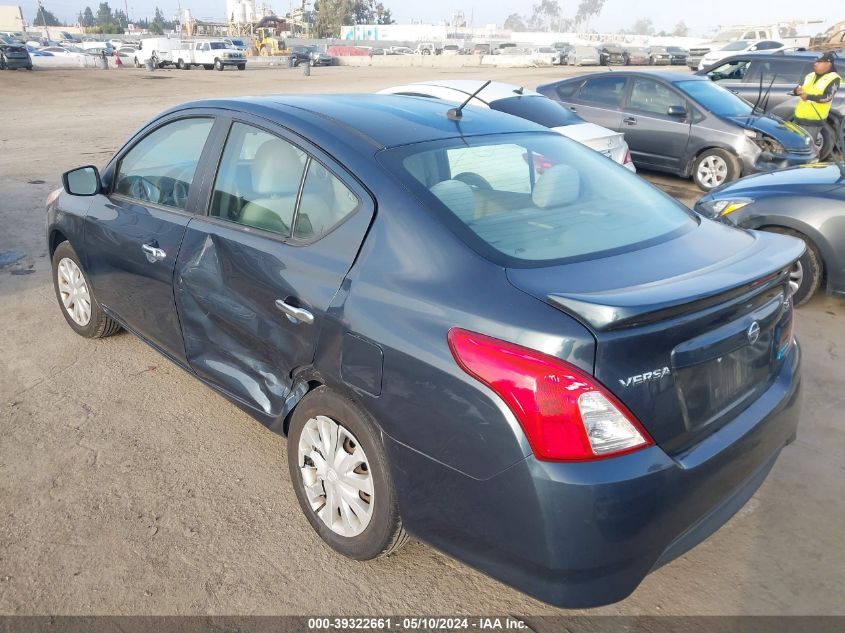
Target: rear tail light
(786,336)
(565,413)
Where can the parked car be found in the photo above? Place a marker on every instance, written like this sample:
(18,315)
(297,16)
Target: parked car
(734,48)
(637,56)
(160,50)
(525,104)
(685,125)
(14,57)
(787,35)
(451,49)
(583,56)
(208,53)
(481,49)
(611,54)
(659,56)
(546,54)
(499,370)
(807,202)
(678,56)
(236,43)
(563,49)
(312,56)
(401,50)
(767,80)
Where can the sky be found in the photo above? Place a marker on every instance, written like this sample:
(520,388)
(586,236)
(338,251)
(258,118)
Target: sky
(700,16)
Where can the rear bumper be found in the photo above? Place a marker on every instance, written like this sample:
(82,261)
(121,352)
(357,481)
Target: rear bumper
(586,534)
(15,63)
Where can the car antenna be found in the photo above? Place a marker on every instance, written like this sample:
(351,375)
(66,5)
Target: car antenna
(519,90)
(455,113)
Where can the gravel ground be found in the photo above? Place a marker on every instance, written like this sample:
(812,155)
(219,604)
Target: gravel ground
(128,487)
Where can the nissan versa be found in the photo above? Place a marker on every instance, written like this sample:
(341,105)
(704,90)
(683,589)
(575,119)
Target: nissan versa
(471,329)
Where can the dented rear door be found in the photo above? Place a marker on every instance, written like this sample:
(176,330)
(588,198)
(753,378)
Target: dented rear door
(228,284)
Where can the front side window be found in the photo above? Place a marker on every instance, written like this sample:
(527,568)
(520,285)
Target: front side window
(603,90)
(161,167)
(650,96)
(534,199)
(729,72)
(258,180)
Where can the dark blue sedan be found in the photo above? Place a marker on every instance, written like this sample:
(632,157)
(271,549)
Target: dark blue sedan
(471,329)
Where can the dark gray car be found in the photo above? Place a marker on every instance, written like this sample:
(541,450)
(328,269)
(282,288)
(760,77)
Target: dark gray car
(685,125)
(768,79)
(807,202)
(14,56)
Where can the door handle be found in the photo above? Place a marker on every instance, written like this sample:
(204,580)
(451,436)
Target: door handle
(153,253)
(294,314)
(629,120)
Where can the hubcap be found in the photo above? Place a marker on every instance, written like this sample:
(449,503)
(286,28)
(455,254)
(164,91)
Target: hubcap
(712,171)
(336,475)
(796,276)
(74,291)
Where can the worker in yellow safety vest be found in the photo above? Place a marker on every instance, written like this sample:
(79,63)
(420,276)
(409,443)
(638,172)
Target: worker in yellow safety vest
(816,94)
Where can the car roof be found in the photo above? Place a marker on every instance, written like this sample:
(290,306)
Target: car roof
(380,120)
(493,92)
(665,75)
(799,55)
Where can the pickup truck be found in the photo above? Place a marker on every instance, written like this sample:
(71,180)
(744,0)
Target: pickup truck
(785,35)
(209,54)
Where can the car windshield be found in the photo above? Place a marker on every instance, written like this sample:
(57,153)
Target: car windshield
(534,199)
(537,109)
(741,45)
(714,98)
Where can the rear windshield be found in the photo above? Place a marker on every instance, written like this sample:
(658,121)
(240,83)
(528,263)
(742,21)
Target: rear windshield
(539,110)
(526,200)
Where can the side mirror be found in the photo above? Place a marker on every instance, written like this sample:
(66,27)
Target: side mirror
(83,181)
(677,110)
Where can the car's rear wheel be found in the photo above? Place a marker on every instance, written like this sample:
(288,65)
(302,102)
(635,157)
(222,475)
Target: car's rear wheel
(806,275)
(76,298)
(825,140)
(340,475)
(241,66)
(715,167)
(218,65)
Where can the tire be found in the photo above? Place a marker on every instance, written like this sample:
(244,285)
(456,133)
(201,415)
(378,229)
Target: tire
(715,167)
(313,63)
(241,66)
(827,138)
(218,65)
(137,63)
(383,532)
(806,275)
(181,64)
(99,325)
(208,66)
(295,62)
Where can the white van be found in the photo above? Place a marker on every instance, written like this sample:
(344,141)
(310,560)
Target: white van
(159,49)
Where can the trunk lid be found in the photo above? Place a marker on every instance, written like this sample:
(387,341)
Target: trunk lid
(688,332)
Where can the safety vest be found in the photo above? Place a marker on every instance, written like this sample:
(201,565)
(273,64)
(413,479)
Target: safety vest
(812,110)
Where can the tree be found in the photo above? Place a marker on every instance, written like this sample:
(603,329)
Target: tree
(588,9)
(45,18)
(104,14)
(383,16)
(681,29)
(86,19)
(514,22)
(545,16)
(158,23)
(331,15)
(643,26)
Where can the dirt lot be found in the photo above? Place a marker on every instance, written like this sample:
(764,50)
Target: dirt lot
(127,487)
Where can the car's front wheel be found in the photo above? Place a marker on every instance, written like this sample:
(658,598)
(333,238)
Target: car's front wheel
(339,472)
(806,274)
(715,167)
(76,298)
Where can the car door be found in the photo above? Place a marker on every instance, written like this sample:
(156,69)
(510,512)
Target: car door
(656,139)
(599,100)
(133,231)
(257,274)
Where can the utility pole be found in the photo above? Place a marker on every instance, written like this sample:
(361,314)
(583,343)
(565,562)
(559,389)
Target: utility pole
(43,18)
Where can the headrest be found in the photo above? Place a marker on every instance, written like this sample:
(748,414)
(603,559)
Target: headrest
(458,196)
(276,169)
(558,186)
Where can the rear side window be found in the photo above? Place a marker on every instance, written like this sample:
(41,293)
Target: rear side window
(536,199)
(325,202)
(603,90)
(258,181)
(161,167)
(566,90)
